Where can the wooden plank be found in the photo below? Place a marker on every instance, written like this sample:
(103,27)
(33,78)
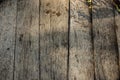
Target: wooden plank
(105,49)
(27,41)
(117,28)
(7,38)
(81,49)
(53,39)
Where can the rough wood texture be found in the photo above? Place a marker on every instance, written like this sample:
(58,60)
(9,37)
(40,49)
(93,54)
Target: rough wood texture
(7,38)
(117,27)
(105,49)
(59,40)
(27,41)
(81,49)
(53,39)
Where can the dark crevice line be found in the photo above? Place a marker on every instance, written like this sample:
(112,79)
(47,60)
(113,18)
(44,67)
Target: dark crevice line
(39,54)
(68,56)
(116,42)
(15,40)
(92,36)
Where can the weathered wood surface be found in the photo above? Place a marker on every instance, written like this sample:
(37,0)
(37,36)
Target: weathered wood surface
(117,28)
(105,50)
(7,38)
(81,49)
(53,39)
(27,40)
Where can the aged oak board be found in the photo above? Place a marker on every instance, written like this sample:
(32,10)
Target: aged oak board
(27,40)
(105,50)
(117,28)
(53,39)
(7,38)
(81,48)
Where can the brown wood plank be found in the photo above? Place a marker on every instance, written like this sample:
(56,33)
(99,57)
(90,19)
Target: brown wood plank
(7,38)
(105,49)
(81,49)
(27,40)
(53,39)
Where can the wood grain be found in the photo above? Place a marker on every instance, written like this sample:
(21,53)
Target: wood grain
(53,39)
(81,49)
(7,38)
(58,40)
(117,28)
(105,49)
(27,41)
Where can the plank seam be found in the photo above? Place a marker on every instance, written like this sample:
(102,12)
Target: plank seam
(15,41)
(39,42)
(92,34)
(68,57)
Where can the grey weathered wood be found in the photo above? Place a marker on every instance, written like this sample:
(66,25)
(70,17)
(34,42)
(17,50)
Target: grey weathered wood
(117,28)
(81,49)
(106,55)
(7,38)
(53,39)
(27,41)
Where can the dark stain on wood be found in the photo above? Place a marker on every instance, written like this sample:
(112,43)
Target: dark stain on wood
(1,1)
(58,14)
(48,11)
(47,4)
(8,49)
(21,37)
